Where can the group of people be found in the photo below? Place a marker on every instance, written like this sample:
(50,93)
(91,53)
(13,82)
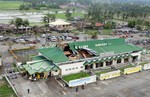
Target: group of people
(83,87)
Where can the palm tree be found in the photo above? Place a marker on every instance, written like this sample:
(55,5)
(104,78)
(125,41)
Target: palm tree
(25,24)
(49,18)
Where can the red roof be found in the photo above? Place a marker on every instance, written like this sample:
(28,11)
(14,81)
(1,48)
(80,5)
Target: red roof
(99,24)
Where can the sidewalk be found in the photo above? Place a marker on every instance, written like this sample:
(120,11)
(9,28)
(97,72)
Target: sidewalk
(37,89)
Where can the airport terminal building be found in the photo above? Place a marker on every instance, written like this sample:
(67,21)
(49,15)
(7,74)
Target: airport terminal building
(71,58)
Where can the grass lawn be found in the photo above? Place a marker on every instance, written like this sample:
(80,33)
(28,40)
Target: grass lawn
(102,72)
(107,31)
(62,15)
(75,76)
(122,68)
(5,89)
(10,4)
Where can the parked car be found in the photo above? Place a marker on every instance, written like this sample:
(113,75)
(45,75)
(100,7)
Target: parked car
(74,37)
(53,39)
(68,38)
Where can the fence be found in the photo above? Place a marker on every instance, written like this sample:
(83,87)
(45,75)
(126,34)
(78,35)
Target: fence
(11,85)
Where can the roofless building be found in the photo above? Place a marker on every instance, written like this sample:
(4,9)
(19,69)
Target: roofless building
(71,58)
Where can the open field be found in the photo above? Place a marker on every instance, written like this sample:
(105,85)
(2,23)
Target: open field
(5,89)
(76,14)
(10,4)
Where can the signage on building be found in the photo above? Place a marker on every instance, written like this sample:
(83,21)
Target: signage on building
(82,81)
(102,44)
(96,45)
(109,75)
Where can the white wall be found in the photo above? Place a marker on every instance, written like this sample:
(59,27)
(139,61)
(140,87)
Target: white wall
(71,68)
(55,73)
(82,81)
(137,54)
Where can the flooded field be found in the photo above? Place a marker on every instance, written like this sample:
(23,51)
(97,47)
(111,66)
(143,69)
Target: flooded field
(32,16)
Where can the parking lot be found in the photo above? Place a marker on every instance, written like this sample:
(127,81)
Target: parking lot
(134,85)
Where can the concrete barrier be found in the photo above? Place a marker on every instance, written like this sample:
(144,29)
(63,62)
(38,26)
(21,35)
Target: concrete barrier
(133,69)
(11,85)
(82,81)
(111,74)
(146,66)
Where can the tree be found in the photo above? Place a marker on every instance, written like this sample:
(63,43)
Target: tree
(56,12)
(93,34)
(25,23)
(68,14)
(12,22)
(73,10)
(131,24)
(49,18)
(18,22)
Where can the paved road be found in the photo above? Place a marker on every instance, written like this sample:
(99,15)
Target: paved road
(134,85)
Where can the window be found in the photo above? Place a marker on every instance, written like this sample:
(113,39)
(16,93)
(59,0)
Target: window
(81,66)
(76,67)
(73,68)
(66,69)
(56,70)
(69,68)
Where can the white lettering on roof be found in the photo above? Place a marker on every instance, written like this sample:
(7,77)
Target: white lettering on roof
(83,46)
(102,44)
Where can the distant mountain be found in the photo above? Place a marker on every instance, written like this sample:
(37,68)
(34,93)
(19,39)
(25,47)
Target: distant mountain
(126,1)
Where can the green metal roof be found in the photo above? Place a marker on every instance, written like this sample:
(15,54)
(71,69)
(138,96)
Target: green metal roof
(96,43)
(97,61)
(55,54)
(86,63)
(117,45)
(91,62)
(38,67)
(102,60)
(55,68)
(38,58)
(117,49)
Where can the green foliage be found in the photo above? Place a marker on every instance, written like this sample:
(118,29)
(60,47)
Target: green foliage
(18,22)
(131,24)
(6,90)
(25,23)
(49,18)
(10,4)
(93,33)
(110,25)
(25,7)
(54,6)
(68,14)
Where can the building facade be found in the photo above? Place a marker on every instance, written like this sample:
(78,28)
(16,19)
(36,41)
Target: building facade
(71,58)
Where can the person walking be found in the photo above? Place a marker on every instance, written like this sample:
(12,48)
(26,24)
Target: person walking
(77,89)
(28,91)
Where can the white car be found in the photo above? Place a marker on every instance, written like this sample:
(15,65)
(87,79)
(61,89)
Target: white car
(68,38)
(22,40)
(53,39)
(43,35)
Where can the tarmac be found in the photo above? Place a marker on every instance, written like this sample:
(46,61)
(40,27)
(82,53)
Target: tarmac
(134,85)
